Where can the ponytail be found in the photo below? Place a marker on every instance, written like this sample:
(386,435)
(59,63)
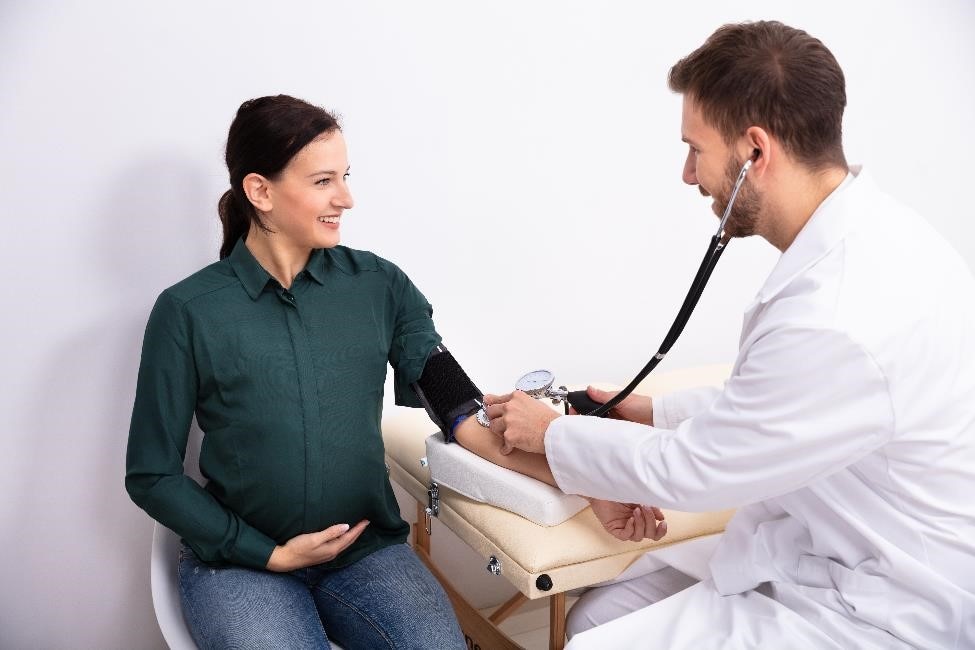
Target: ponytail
(235,222)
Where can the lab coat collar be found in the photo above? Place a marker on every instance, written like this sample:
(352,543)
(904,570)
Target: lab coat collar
(826,227)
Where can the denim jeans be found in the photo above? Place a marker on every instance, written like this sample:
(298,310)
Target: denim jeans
(388,599)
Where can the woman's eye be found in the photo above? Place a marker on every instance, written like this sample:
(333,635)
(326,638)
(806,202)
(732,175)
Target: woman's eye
(324,181)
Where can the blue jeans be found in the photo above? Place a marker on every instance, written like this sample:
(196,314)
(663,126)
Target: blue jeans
(388,599)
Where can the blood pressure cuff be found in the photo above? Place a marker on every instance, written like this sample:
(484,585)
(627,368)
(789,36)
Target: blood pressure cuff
(446,391)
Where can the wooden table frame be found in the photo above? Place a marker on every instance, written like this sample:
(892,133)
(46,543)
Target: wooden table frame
(480,632)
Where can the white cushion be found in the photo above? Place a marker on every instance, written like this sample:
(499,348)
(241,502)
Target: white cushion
(479,479)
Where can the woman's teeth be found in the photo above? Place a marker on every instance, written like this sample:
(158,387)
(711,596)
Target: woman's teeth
(329,219)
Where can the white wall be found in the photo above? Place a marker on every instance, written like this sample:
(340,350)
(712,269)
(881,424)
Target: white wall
(521,161)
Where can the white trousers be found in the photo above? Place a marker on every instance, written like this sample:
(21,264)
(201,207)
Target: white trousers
(667,600)
(600,605)
(698,617)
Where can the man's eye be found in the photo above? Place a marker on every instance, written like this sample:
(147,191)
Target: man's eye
(345,176)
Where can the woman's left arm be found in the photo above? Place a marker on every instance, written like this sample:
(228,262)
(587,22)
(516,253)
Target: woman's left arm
(415,342)
(473,437)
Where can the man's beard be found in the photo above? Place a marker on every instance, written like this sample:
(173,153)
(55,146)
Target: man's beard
(745,212)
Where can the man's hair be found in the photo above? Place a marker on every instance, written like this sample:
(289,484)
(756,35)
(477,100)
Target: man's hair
(773,76)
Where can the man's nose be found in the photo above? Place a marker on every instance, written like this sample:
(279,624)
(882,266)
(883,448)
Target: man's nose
(689,175)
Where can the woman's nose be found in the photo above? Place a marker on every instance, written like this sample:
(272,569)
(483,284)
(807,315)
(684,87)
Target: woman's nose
(344,198)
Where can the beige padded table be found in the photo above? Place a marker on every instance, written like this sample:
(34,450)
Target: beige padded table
(540,561)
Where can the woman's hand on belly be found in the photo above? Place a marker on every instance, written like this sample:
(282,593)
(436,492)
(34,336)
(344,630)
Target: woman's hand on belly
(310,549)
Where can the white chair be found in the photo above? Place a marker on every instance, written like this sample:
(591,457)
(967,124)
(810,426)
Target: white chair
(164,565)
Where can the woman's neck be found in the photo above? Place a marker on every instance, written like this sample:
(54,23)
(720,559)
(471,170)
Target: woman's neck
(282,259)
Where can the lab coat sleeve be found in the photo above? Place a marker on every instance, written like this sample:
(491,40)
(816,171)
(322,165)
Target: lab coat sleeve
(670,409)
(804,403)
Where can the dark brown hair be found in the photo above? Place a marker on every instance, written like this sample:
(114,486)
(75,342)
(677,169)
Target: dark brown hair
(264,136)
(773,76)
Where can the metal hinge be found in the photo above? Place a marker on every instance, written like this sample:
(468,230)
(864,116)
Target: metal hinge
(494,566)
(433,506)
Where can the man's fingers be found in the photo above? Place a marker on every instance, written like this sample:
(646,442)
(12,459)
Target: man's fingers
(661,531)
(497,426)
(639,524)
(506,448)
(496,399)
(628,529)
(600,395)
(658,514)
(494,410)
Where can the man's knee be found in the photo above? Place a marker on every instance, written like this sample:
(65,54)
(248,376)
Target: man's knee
(597,606)
(601,605)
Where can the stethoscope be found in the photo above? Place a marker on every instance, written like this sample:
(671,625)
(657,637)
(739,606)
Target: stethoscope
(539,383)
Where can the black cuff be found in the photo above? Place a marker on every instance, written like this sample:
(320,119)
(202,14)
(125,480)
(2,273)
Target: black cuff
(446,391)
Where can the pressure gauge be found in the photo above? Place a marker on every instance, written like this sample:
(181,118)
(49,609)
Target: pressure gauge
(538,384)
(535,383)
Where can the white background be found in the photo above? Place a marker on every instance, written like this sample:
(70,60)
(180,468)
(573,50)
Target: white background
(519,160)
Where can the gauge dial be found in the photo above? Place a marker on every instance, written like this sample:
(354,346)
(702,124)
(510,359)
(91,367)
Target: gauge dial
(535,382)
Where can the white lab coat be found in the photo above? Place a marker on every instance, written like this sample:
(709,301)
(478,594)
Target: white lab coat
(845,437)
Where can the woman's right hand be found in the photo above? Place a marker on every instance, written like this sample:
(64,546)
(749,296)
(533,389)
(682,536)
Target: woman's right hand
(310,549)
(635,408)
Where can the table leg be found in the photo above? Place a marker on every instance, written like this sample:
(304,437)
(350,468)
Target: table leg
(556,621)
(508,608)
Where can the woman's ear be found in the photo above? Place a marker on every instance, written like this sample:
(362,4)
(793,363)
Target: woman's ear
(257,190)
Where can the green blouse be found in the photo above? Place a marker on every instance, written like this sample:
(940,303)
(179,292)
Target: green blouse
(287,386)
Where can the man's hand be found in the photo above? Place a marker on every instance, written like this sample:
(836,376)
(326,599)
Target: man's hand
(635,408)
(310,549)
(520,420)
(628,521)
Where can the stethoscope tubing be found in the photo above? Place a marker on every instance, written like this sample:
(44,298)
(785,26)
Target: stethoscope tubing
(716,246)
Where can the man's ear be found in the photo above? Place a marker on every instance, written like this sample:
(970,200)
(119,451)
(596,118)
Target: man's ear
(756,146)
(257,190)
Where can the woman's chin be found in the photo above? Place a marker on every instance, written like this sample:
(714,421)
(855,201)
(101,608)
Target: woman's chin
(329,241)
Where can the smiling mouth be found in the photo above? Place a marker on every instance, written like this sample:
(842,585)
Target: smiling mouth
(329,219)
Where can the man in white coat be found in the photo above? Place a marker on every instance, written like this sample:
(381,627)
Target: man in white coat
(845,436)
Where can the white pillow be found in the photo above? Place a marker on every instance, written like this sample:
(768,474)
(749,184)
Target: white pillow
(479,479)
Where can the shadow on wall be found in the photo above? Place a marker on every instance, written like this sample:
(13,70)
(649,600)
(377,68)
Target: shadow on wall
(150,230)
